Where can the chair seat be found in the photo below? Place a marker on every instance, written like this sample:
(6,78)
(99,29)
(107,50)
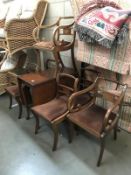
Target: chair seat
(57,106)
(90,119)
(49,45)
(13,90)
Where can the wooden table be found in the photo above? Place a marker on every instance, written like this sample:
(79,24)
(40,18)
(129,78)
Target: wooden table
(34,88)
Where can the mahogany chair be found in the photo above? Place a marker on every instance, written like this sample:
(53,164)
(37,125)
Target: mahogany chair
(55,111)
(62,39)
(94,119)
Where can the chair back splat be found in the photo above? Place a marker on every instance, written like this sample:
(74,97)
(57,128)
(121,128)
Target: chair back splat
(66,84)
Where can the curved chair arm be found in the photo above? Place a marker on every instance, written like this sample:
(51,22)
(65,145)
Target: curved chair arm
(72,107)
(107,124)
(36,31)
(63,44)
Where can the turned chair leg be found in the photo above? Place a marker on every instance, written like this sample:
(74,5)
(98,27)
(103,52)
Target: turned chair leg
(56,135)
(102,147)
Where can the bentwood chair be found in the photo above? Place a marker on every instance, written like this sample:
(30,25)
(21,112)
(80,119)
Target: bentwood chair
(94,119)
(55,111)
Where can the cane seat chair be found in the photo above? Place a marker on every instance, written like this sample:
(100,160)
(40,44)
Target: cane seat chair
(94,119)
(62,39)
(56,110)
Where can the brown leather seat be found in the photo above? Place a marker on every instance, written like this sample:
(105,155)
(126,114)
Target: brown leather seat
(92,124)
(52,109)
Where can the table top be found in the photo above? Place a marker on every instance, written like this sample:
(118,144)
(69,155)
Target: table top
(37,78)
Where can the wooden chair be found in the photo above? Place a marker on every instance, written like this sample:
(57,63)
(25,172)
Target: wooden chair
(63,39)
(92,118)
(87,75)
(56,110)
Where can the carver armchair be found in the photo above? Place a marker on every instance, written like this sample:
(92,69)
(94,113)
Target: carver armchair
(94,119)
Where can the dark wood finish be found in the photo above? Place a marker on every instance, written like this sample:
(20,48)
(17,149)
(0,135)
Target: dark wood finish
(92,118)
(87,75)
(59,42)
(56,110)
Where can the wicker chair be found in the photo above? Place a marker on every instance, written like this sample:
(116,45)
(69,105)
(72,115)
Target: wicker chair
(19,31)
(19,36)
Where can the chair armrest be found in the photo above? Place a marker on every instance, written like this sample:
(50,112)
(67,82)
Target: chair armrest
(36,31)
(81,96)
(67,30)
(118,103)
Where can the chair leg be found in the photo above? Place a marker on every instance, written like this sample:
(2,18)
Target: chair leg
(73,61)
(28,113)
(37,126)
(101,151)
(20,107)
(115,132)
(10,103)
(55,128)
(71,131)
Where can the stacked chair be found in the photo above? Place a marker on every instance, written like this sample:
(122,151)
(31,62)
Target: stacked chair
(62,39)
